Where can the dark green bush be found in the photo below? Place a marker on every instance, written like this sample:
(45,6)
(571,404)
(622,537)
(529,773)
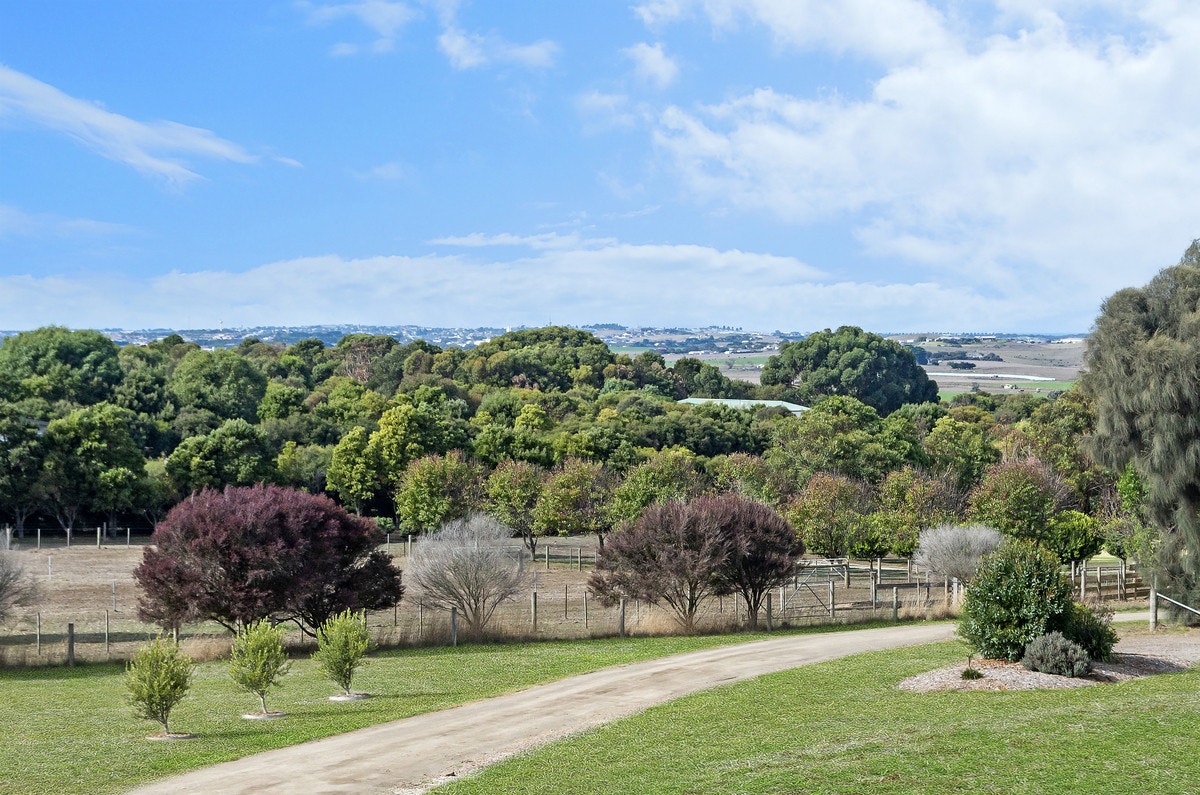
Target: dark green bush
(1019,593)
(1054,654)
(1091,628)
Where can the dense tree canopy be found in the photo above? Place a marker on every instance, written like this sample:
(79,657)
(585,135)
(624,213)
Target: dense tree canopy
(879,372)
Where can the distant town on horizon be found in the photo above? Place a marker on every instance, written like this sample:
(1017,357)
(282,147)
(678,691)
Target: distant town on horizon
(666,339)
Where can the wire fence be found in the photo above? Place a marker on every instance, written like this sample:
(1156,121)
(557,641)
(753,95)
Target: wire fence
(88,607)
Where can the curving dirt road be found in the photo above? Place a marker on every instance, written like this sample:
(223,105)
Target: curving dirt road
(409,756)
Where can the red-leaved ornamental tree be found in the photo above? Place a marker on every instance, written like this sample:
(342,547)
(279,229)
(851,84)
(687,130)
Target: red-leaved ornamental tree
(242,554)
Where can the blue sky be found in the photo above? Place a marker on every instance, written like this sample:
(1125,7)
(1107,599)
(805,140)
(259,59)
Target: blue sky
(902,165)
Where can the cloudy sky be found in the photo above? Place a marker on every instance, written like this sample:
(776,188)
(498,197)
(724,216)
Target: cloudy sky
(901,165)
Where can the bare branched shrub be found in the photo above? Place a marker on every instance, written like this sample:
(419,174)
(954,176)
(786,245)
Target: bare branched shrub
(16,586)
(468,565)
(955,550)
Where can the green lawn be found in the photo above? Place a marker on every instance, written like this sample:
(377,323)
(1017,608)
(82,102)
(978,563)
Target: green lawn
(70,730)
(843,727)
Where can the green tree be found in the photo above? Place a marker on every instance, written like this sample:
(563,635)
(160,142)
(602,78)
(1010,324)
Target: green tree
(89,455)
(879,372)
(221,384)
(342,643)
(22,452)
(435,489)
(235,454)
(668,475)
(354,470)
(1074,536)
(962,450)
(1142,373)
(827,513)
(840,435)
(910,500)
(258,660)
(513,490)
(575,500)
(1020,498)
(54,363)
(156,679)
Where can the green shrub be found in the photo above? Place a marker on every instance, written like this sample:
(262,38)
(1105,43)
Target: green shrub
(157,679)
(1054,654)
(258,660)
(342,642)
(1019,593)
(1091,628)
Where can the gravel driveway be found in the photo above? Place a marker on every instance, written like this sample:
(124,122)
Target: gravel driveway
(409,756)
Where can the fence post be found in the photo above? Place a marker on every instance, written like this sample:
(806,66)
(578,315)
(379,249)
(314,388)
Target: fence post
(114,596)
(68,538)
(831,607)
(7,537)
(38,634)
(585,615)
(408,547)
(546,550)
(1083,582)
(49,566)
(846,571)
(578,558)
(39,532)
(769,614)
(1154,605)
(71,644)
(895,603)
(533,610)
(106,634)
(420,621)
(454,626)
(621,620)
(97,538)
(564,601)
(874,595)
(127,536)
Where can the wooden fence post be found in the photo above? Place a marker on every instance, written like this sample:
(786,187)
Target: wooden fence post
(126,536)
(621,620)
(585,615)
(533,610)
(1154,605)
(831,607)
(106,634)
(97,538)
(564,601)
(895,603)
(769,615)
(71,644)
(1083,582)
(454,626)
(38,634)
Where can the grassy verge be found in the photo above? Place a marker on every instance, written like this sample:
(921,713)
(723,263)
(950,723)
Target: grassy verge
(843,727)
(70,730)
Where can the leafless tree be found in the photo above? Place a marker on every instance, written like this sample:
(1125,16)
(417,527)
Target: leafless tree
(955,550)
(16,586)
(468,565)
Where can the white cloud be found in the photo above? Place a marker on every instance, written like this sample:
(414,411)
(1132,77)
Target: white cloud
(467,50)
(15,222)
(158,149)
(1042,156)
(601,111)
(387,172)
(888,30)
(385,19)
(652,64)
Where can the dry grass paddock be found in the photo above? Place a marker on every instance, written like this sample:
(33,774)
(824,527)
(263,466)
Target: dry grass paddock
(93,589)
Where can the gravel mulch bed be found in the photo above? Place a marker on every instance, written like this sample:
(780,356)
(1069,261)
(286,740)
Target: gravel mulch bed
(1136,655)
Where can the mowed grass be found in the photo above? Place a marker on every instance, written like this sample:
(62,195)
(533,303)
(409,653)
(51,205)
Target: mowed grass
(71,730)
(844,727)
